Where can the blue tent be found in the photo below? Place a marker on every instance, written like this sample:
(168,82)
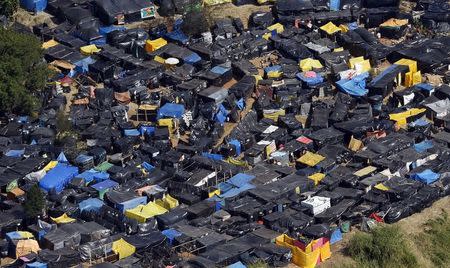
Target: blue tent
(132,203)
(423,146)
(427,176)
(107,29)
(82,66)
(171,234)
(310,81)
(93,175)
(219,70)
(237,145)
(336,236)
(15,153)
(147,166)
(192,58)
(171,110)
(355,86)
(221,115)
(91,204)
(34,5)
(216,157)
(240,179)
(131,132)
(106,184)
(58,177)
(36,264)
(146,129)
(177,36)
(62,158)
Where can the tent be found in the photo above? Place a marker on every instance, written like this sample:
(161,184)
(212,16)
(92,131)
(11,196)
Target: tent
(309,64)
(427,176)
(355,86)
(64,218)
(36,264)
(330,28)
(104,186)
(58,177)
(171,110)
(91,204)
(34,5)
(27,246)
(123,248)
(310,159)
(152,45)
(142,213)
(61,158)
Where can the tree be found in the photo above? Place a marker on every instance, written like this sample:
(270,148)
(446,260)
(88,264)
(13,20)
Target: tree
(35,202)
(23,72)
(8,7)
(194,23)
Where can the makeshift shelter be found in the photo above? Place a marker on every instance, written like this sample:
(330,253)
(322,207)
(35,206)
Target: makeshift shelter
(355,86)
(310,64)
(26,246)
(123,248)
(142,213)
(34,5)
(63,219)
(58,177)
(104,186)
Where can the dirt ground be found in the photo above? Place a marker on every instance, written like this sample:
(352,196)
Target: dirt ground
(231,11)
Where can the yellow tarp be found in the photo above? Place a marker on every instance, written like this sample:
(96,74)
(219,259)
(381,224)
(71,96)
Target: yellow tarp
(143,212)
(123,248)
(25,247)
(339,49)
(307,258)
(365,171)
(417,78)
(160,59)
(167,122)
(25,235)
(167,202)
(394,23)
(90,49)
(381,187)
(213,193)
(330,28)
(50,165)
(274,114)
(363,66)
(344,28)
(277,27)
(310,159)
(355,144)
(63,219)
(310,64)
(400,118)
(352,61)
(412,64)
(316,177)
(215,2)
(152,45)
(49,44)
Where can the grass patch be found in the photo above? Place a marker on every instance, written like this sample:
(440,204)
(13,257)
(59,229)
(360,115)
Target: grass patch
(384,247)
(435,240)
(258,264)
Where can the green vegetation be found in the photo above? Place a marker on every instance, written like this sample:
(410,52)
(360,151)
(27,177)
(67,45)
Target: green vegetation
(23,73)
(258,264)
(35,202)
(8,7)
(384,247)
(435,240)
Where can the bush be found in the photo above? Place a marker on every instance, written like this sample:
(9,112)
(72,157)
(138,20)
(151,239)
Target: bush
(435,240)
(23,73)
(384,247)
(8,7)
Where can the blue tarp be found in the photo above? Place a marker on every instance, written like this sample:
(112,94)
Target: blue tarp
(192,58)
(423,146)
(23,119)
(91,204)
(216,157)
(15,153)
(132,203)
(171,110)
(427,176)
(237,145)
(82,66)
(58,177)
(237,265)
(171,234)
(419,123)
(34,5)
(36,264)
(147,166)
(177,36)
(93,175)
(240,103)
(13,236)
(424,87)
(221,115)
(310,81)
(82,158)
(146,129)
(106,184)
(107,29)
(131,132)
(62,158)
(275,68)
(355,86)
(352,26)
(335,5)
(240,179)
(219,70)
(336,236)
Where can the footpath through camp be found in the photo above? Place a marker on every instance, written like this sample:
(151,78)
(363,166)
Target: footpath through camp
(169,137)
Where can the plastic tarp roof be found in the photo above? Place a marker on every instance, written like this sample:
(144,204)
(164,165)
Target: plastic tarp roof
(427,176)
(132,203)
(311,78)
(310,159)
(172,110)
(123,248)
(309,64)
(93,175)
(58,177)
(355,86)
(91,204)
(25,247)
(106,184)
(34,5)
(143,212)
(240,179)
(330,28)
(63,219)
(36,264)
(61,158)
(423,146)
